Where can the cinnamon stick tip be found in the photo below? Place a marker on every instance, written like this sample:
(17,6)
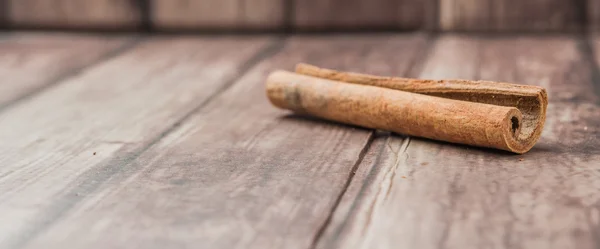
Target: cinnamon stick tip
(275,94)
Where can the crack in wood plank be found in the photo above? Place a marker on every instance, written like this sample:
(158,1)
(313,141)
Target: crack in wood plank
(394,168)
(358,161)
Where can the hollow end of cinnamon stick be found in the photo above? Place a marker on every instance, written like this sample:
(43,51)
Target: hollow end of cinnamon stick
(496,115)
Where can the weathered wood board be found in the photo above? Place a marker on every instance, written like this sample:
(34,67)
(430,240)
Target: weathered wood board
(61,145)
(239,173)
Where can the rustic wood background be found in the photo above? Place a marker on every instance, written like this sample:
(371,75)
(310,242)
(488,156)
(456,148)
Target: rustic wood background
(288,15)
(87,161)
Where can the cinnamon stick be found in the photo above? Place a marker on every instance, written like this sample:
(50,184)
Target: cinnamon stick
(479,113)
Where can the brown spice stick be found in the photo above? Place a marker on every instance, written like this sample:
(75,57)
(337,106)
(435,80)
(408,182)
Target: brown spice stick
(497,115)
(531,101)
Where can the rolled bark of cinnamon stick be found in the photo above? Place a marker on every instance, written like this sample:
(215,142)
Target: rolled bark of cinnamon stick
(376,102)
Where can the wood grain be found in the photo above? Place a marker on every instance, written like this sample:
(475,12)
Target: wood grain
(62,144)
(365,15)
(30,62)
(239,173)
(218,14)
(74,14)
(510,15)
(414,193)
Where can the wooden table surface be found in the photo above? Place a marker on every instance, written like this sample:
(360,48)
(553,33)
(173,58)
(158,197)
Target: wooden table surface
(128,141)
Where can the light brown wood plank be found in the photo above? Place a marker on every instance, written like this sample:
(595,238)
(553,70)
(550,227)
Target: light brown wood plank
(218,14)
(92,125)
(356,14)
(29,62)
(415,193)
(103,14)
(240,173)
(510,15)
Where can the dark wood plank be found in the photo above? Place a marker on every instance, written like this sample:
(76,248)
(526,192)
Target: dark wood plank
(75,14)
(31,62)
(62,144)
(510,15)
(218,14)
(240,173)
(356,14)
(414,193)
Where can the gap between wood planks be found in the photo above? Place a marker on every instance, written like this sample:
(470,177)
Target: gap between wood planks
(587,51)
(4,14)
(289,14)
(104,171)
(145,8)
(72,73)
(414,68)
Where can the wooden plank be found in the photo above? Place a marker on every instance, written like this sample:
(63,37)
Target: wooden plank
(510,15)
(95,123)
(75,14)
(356,14)
(31,62)
(414,193)
(218,14)
(240,173)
